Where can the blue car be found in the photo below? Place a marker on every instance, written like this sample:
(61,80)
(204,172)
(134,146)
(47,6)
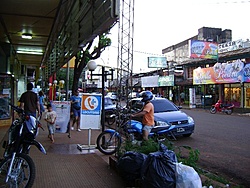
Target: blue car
(168,113)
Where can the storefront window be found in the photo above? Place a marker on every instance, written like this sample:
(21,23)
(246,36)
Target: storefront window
(5,96)
(247,92)
(232,94)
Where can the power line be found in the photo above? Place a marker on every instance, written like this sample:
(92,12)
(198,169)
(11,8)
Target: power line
(141,52)
(226,2)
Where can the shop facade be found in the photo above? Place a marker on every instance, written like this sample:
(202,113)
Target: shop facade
(229,82)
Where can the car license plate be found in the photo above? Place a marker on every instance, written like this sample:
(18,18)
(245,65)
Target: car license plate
(180,130)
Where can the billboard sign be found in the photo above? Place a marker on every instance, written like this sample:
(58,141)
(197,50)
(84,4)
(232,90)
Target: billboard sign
(157,62)
(203,50)
(222,73)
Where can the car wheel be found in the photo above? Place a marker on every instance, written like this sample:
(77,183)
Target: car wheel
(187,135)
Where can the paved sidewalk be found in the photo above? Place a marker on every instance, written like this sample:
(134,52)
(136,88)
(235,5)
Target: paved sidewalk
(66,166)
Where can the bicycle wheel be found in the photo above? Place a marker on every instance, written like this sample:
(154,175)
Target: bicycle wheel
(108,143)
(22,174)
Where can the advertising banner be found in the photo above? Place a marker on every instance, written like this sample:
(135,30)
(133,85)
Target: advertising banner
(149,81)
(157,62)
(222,73)
(202,49)
(62,109)
(246,73)
(91,111)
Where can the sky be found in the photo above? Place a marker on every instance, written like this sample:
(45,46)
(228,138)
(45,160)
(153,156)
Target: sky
(159,24)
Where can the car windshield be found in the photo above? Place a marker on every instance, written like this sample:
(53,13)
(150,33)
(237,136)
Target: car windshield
(163,106)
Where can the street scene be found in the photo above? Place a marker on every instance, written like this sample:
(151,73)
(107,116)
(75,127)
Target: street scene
(223,144)
(119,93)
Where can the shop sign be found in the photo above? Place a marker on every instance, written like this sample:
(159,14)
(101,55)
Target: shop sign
(222,73)
(149,81)
(230,46)
(166,80)
(91,111)
(203,50)
(157,62)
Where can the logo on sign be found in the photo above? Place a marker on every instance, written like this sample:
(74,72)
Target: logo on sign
(90,103)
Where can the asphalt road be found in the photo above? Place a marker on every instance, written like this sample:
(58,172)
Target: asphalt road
(224,144)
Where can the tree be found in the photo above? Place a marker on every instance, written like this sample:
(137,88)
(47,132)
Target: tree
(61,74)
(84,55)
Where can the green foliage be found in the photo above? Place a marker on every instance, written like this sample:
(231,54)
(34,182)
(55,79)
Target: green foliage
(145,147)
(104,40)
(62,75)
(191,159)
(214,178)
(87,53)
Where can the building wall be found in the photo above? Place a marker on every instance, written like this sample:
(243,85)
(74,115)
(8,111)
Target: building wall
(179,54)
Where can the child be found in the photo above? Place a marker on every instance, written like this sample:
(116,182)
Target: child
(50,117)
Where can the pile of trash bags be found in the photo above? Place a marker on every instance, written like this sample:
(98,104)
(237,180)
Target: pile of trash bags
(157,170)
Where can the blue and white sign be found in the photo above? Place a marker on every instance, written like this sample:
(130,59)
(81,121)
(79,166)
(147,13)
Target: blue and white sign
(91,111)
(157,62)
(91,104)
(62,109)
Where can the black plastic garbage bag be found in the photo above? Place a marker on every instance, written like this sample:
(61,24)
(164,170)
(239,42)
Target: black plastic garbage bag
(129,166)
(159,169)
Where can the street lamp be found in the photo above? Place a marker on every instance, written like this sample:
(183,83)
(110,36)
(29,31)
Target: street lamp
(52,87)
(61,84)
(92,66)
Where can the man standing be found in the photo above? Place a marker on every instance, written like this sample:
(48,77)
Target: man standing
(76,109)
(147,112)
(29,101)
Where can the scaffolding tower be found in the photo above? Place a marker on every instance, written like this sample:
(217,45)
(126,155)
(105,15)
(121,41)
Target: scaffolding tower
(125,48)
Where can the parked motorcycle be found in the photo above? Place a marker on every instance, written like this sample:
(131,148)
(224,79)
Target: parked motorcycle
(17,169)
(112,118)
(220,107)
(109,141)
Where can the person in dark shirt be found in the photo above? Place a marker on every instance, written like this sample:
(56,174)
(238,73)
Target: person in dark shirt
(29,101)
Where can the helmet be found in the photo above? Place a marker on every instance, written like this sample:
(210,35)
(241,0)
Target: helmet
(146,96)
